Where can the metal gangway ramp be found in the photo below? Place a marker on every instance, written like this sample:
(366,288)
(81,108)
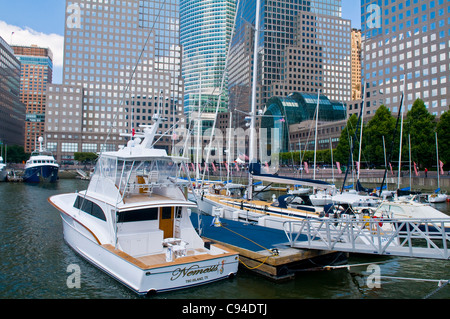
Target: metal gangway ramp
(419,238)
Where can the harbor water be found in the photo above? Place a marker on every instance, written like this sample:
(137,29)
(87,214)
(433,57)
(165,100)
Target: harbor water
(36,263)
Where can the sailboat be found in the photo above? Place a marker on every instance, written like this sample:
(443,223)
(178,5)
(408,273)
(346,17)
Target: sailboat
(133,221)
(438,196)
(356,198)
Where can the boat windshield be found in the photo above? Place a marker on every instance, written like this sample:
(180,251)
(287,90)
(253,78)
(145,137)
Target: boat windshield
(123,173)
(391,210)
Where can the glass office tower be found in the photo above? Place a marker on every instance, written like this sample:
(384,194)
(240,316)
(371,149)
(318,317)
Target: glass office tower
(205,32)
(122,64)
(12,111)
(406,49)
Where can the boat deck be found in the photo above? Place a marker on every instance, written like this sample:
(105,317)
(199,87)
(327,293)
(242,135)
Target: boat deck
(265,207)
(245,235)
(159,260)
(256,246)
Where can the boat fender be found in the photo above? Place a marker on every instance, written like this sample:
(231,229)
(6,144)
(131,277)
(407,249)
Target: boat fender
(380,223)
(366,218)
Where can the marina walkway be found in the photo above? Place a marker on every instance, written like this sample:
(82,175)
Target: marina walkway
(265,251)
(245,235)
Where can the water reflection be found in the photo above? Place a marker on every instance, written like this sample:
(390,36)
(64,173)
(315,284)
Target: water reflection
(34,260)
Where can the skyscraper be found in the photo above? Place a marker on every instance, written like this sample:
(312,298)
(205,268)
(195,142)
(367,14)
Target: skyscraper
(356,64)
(406,49)
(205,32)
(35,74)
(122,65)
(304,46)
(12,111)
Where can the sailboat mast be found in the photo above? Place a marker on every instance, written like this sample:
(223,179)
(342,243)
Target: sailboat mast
(360,136)
(332,166)
(315,134)
(400,153)
(385,163)
(410,182)
(401,138)
(392,144)
(199,131)
(252,142)
(229,148)
(437,160)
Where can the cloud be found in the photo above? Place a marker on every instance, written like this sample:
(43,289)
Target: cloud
(28,36)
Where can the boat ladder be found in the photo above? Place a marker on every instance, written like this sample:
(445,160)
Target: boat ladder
(419,238)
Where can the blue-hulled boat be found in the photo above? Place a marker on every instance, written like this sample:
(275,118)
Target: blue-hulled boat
(41,167)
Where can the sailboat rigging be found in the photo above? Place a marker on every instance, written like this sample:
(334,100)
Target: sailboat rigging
(352,148)
(392,143)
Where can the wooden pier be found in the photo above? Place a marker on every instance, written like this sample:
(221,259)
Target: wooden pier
(287,262)
(265,251)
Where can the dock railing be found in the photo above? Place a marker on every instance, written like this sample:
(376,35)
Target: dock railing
(421,238)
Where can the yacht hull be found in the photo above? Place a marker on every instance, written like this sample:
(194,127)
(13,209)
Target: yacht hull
(43,173)
(141,279)
(437,198)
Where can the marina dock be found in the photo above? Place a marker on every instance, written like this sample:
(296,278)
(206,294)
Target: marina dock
(265,251)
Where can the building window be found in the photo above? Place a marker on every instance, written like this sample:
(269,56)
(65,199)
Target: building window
(52,147)
(69,147)
(89,147)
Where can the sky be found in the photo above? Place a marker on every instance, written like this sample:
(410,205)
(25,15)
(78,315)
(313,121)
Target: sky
(41,22)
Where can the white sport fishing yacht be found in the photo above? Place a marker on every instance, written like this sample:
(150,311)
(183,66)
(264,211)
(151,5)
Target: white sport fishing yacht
(133,222)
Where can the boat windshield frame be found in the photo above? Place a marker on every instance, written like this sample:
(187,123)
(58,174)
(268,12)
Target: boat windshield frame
(135,175)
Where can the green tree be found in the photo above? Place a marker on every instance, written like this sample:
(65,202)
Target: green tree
(15,154)
(381,125)
(342,152)
(85,157)
(443,132)
(421,125)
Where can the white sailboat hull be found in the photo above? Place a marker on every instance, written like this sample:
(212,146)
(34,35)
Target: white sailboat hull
(437,198)
(145,280)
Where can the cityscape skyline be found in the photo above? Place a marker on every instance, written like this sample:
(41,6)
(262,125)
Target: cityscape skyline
(42,23)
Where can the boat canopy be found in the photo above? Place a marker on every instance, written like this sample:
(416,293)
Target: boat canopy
(118,177)
(138,169)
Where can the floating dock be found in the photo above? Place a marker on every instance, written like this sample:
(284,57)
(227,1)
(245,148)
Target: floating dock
(265,251)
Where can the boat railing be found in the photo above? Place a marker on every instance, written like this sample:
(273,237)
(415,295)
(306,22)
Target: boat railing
(146,185)
(420,238)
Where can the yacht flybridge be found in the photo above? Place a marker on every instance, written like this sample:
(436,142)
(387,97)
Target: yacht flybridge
(133,222)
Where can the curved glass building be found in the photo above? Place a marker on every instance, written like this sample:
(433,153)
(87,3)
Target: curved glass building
(281,112)
(206,27)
